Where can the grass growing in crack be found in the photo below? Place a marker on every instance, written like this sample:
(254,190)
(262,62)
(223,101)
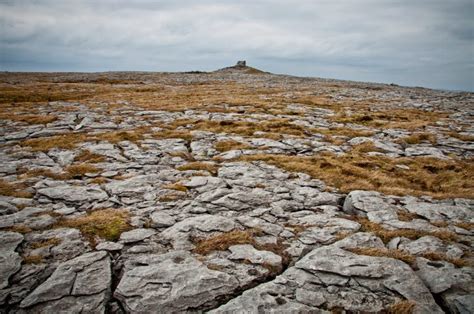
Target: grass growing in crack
(402,307)
(108,224)
(33,259)
(90,157)
(410,119)
(382,252)
(14,189)
(224,146)
(44,243)
(358,171)
(386,235)
(224,241)
(79,170)
(203,166)
(44,144)
(29,118)
(418,138)
(437,256)
(176,187)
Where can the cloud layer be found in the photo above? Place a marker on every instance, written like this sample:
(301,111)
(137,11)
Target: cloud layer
(425,42)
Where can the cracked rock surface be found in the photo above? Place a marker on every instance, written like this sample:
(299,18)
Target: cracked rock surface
(233,192)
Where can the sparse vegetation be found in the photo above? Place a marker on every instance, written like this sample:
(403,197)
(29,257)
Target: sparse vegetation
(44,144)
(410,119)
(176,187)
(79,170)
(462,137)
(88,156)
(44,243)
(402,307)
(29,118)
(357,171)
(382,252)
(418,138)
(33,259)
(437,256)
(387,235)
(14,189)
(223,241)
(203,166)
(108,224)
(223,146)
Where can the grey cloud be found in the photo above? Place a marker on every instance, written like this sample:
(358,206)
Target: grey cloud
(425,42)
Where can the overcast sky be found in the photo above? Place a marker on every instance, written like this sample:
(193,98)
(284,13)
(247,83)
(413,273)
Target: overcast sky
(409,42)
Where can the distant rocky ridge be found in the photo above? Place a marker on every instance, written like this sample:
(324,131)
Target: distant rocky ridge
(230,192)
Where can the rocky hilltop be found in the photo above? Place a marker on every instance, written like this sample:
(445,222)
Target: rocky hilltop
(235,191)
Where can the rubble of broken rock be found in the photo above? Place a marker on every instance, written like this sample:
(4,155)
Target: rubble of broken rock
(233,192)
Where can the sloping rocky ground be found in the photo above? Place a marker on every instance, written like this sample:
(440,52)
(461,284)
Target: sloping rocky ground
(233,192)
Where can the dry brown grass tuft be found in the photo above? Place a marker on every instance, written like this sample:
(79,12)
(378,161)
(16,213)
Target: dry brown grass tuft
(23,229)
(436,256)
(171,197)
(41,172)
(462,137)
(465,225)
(402,307)
(406,216)
(275,128)
(29,118)
(44,144)
(410,119)
(99,180)
(105,223)
(386,235)
(347,132)
(185,135)
(223,146)
(183,155)
(365,148)
(33,259)
(14,189)
(176,187)
(357,171)
(418,138)
(382,252)
(79,170)
(203,166)
(439,223)
(88,156)
(223,241)
(134,136)
(44,243)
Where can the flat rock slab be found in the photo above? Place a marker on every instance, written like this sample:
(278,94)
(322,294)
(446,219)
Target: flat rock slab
(10,261)
(136,235)
(78,285)
(74,194)
(330,277)
(254,256)
(176,282)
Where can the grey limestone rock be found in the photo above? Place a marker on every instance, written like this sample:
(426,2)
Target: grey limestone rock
(74,194)
(10,261)
(78,285)
(174,283)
